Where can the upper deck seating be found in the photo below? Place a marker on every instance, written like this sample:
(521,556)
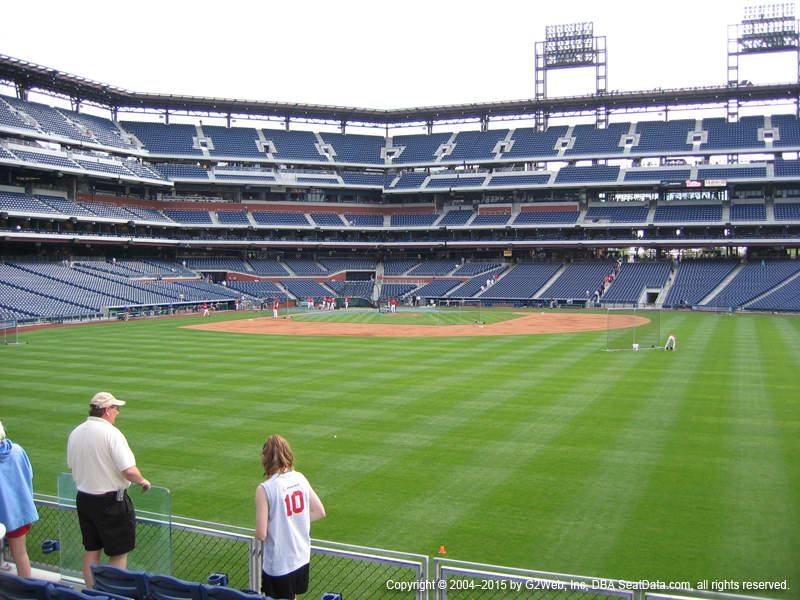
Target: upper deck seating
(696,279)
(529,143)
(294,145)
(9,118)
(50,120)
(664,136)
(788,130)
(175,139)
(355,148)
(475,145)
(592,140)
(234,141)
(99,128)
(724,135)
(418,148)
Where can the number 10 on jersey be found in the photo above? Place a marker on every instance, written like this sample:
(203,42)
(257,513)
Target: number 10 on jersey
(295,503)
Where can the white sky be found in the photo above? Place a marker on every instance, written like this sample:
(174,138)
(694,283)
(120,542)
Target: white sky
(376,54)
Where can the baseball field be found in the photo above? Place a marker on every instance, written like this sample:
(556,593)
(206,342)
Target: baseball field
(532,450)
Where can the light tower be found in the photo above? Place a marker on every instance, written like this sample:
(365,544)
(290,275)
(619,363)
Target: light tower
(567,46)
(764,28)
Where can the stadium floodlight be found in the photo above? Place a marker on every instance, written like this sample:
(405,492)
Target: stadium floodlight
(565,46)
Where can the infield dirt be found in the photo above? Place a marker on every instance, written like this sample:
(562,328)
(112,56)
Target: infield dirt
(525,324)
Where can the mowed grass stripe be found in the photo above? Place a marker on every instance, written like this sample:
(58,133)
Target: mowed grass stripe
(525,429)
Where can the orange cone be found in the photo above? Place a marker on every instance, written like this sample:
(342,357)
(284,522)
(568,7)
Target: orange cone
(442,550)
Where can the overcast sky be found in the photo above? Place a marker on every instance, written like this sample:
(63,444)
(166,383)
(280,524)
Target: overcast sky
(376,54)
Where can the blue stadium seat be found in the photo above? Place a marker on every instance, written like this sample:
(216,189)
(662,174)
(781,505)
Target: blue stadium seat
(164,587)
(218,592)
(17,588)
(131,584)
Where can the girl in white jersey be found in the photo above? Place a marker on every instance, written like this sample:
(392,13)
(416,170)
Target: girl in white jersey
(285,507)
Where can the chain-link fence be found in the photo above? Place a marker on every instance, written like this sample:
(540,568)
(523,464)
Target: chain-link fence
(193,550)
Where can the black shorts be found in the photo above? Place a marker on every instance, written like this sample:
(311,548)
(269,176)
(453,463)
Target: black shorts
(107,523)
(285,586)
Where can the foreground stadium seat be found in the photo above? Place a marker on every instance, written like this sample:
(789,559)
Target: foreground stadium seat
(18,588)
(218,592)
(164,587)
(131,584)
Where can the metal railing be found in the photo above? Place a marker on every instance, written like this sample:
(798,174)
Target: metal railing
(192,550)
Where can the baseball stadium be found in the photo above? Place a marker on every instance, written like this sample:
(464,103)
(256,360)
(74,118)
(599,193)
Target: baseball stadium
(541,348)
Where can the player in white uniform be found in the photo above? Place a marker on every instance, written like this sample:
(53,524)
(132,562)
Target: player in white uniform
(286,504)
(672,343)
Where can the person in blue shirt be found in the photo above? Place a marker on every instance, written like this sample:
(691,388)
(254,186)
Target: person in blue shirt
(17,510)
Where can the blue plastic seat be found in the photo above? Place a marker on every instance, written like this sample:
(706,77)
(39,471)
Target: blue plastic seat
(131,584)
(218,592)
(18,588)
(164,587)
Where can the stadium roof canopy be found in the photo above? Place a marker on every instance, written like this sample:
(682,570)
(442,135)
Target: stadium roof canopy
(30,76)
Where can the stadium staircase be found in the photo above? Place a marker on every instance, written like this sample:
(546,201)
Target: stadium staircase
(722,284)
(542,293)
(673,273)
(770,291)
(376,289)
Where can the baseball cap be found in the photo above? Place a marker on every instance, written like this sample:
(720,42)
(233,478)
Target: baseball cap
(104,400)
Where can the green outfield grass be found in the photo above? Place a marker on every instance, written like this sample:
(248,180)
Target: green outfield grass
(541,452)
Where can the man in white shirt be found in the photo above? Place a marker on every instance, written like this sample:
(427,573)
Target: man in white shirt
(103,467)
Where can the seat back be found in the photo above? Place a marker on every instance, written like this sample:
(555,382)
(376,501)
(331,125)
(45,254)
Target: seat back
(131,584)
(218,592)
(17,588)
(164,587)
